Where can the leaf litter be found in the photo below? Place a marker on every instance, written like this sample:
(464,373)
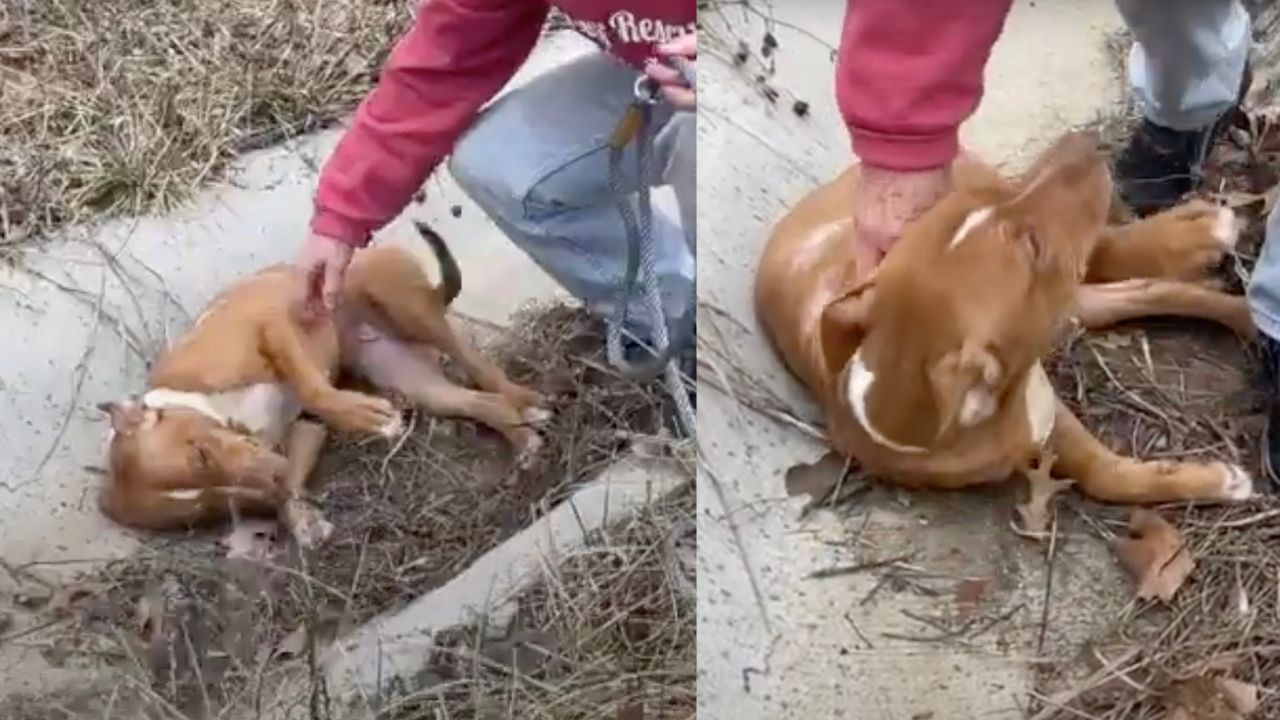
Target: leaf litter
(1037,510)
(1156,555)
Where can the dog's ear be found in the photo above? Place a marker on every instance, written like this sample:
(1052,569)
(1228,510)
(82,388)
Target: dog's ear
(126,415)
(964,386)
(844,323)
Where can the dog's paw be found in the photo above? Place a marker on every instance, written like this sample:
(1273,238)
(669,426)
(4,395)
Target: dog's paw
(254,540)
(1237,485)
(366,414)
(1209,233)
(1225,229)
(536,415)
(393,428)
(528,450)
(523,397)
(307,524)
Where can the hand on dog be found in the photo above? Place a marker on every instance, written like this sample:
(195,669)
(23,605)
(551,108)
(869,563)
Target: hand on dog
(885,200)
(322,263)
(672,85)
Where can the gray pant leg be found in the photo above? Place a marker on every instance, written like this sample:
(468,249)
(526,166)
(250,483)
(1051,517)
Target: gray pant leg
(1264,285)
(537,163)
(1186,65)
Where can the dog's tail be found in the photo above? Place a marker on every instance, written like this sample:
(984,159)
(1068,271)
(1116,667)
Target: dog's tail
(450,275)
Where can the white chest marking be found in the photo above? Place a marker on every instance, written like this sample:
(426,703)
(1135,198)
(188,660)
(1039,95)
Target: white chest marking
(859,384)
(1042,405)
(264,409)
(971,223)
(190,494)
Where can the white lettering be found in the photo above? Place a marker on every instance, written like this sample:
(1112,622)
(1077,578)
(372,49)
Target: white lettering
(624,26)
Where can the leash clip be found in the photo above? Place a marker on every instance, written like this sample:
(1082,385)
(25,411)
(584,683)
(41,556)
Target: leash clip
(646,91)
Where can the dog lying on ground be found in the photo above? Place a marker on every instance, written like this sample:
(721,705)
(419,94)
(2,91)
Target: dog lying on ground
(221,430)
(928,369)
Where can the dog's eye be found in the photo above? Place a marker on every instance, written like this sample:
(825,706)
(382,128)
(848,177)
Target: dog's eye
(202,456)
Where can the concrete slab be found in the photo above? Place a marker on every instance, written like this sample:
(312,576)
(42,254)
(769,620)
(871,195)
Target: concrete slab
(83,316)
(771,643)
(397,648)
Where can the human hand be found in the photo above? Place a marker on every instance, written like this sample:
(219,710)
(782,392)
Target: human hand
(670,82)
(884,201)
(321,264)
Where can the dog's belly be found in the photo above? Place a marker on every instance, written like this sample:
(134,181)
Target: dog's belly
(264,409)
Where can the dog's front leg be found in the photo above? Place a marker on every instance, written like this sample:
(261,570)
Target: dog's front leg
(343,409)
(302,448)
(1104,475)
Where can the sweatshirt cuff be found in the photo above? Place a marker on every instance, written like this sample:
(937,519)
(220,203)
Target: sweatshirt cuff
(905,152)
(332,225)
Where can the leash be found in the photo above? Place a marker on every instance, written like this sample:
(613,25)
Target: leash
(634,127)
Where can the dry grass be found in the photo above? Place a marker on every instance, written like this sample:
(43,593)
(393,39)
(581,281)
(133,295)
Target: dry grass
(123,107)
(190,628)
(610,635)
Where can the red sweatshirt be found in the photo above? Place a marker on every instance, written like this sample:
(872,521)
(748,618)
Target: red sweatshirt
(457,56)
(910,71)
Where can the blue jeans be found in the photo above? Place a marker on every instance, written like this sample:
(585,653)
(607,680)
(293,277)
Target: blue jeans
(1185,70)
(537,162)
(1187,59)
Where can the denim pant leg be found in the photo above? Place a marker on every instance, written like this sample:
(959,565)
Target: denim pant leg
(1188,59)
(537,163)
(1264,285)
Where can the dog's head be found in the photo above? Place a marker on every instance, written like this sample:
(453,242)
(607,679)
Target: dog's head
(180,447)
(972,295)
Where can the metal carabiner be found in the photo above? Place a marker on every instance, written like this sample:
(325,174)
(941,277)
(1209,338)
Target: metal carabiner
(646,91)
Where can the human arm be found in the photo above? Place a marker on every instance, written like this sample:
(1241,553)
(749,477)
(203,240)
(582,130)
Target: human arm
(455,58)
(909,73)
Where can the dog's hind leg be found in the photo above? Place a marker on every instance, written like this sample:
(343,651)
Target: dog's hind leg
(413,370)
(1103,475)
(395,288)
(1105,304)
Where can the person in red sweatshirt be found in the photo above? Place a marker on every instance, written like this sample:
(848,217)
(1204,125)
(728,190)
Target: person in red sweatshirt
(535,160)
(910,72)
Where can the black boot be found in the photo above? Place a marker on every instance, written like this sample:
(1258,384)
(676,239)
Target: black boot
(1271,435)
(1160,165)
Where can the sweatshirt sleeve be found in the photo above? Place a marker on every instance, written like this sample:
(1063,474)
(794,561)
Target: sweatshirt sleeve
(910,72)
(456,57)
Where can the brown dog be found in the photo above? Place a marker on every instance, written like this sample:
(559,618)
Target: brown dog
(928,369)
(205,440)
